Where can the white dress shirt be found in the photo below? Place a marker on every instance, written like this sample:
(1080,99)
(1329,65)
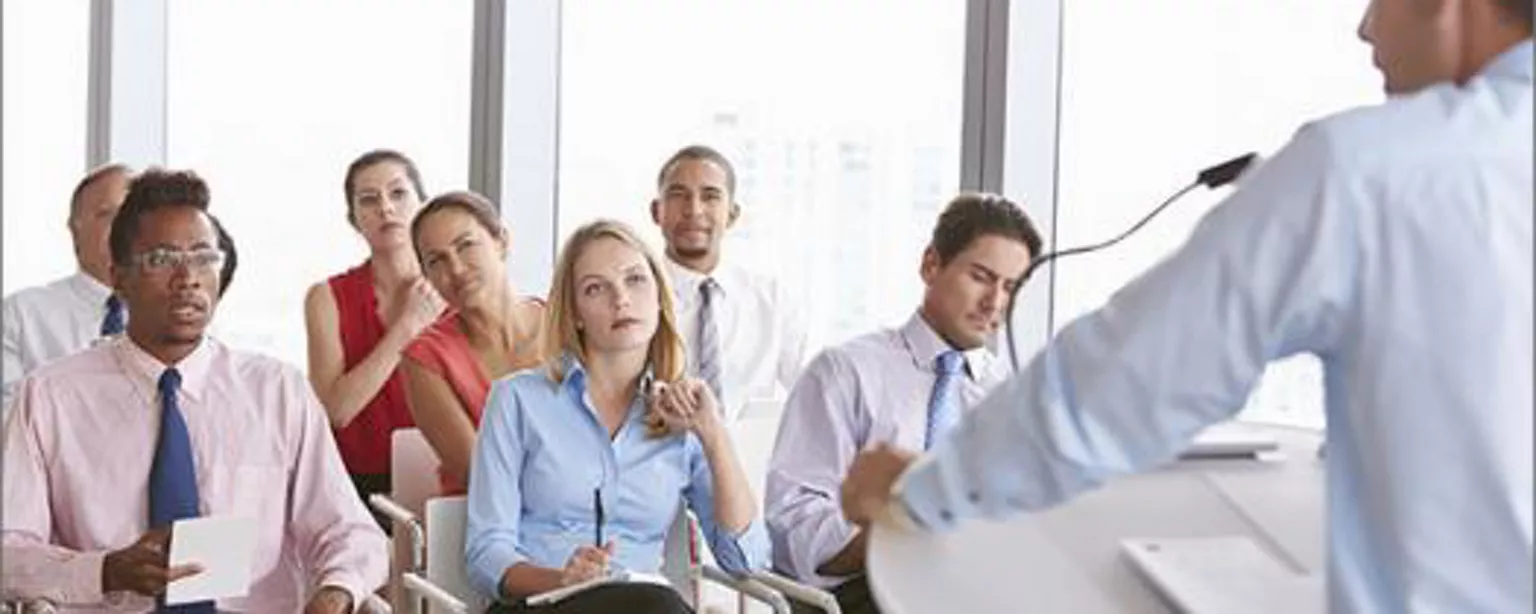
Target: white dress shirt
(872,389)
(45,323)
(1393,242)
(762,334)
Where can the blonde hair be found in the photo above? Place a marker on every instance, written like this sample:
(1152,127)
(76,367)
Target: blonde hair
(666,356)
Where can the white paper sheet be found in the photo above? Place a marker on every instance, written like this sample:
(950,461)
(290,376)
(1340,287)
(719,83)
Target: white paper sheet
(223,546)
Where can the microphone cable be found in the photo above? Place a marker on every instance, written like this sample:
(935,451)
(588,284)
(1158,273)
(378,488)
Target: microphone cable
(1212,178)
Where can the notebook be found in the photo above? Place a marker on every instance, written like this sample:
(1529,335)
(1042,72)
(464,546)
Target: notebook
(618,576)
(1231,440)
(1221,575)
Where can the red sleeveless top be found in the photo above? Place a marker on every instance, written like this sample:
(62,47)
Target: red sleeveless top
(364,443)
(444,350)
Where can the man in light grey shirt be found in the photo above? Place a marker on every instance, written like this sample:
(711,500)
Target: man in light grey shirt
(48,322)
(903,386)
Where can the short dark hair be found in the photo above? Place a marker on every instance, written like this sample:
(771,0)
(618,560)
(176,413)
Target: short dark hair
(95,174)
(379,156)
(973,215)
(231,257)
(700,152)
(1522,10)
(477,206)
(152,190)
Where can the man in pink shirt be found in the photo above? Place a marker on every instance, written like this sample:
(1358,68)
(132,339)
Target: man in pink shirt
(106,448)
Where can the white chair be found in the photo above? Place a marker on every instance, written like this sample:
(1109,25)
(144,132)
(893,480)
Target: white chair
(35,606)
(754,432)
(413,479)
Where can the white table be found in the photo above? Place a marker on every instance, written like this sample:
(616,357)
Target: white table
(1068,559)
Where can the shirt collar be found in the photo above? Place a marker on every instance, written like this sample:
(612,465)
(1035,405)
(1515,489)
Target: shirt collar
(147,369)
(1514,62)
(576,382)
(925,345)
(685,281)
(89,290)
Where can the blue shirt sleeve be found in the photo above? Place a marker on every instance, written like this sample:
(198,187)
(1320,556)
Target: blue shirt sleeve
(736,553)
(1266,274)
(494,501)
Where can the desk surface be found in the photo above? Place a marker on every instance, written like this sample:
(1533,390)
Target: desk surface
(1068,559)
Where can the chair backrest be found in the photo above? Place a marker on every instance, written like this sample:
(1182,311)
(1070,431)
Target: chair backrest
(413,478)
(413,469)
(752,432)
(445,521)
(680,555)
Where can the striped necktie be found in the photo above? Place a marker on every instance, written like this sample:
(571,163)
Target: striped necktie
(709,365)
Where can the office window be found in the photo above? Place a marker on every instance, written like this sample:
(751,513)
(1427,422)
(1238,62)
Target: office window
(46,69)
(270,100)
(841,118)
(1155,91)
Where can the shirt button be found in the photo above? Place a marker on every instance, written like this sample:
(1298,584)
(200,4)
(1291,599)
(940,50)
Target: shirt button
(946,516)
(975,497)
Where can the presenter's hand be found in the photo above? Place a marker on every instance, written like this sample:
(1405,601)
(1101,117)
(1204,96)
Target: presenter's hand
(867,488)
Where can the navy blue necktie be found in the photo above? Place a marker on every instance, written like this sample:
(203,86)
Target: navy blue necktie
(112,324)
(173,477)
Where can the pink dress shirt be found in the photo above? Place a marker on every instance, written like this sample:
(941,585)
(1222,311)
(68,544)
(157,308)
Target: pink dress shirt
(78,446)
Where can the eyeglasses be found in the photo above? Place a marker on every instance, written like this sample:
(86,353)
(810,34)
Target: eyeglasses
(163,260)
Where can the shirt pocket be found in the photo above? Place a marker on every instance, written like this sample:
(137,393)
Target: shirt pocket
(255,491)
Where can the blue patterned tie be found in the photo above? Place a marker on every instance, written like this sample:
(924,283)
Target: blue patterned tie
(944,404)
(172,477)
(112,324)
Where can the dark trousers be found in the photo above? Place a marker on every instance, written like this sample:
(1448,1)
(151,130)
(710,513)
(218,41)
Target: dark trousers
(852,596)
(629,598)
(368,484)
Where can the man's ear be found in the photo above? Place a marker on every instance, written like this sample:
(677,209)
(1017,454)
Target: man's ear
(656,211)
(116,277)
(929,270)
(735,214)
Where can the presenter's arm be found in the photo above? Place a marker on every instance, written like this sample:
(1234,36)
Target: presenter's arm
(1266,274)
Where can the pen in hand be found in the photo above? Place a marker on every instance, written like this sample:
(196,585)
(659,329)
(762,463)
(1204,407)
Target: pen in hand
(597,506)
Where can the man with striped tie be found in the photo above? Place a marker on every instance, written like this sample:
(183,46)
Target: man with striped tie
(745,338)
(903,386)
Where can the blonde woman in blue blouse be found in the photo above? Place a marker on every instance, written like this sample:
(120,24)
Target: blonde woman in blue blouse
(581,464)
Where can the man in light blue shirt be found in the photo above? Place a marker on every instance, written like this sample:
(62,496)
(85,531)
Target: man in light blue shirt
(1393,242)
